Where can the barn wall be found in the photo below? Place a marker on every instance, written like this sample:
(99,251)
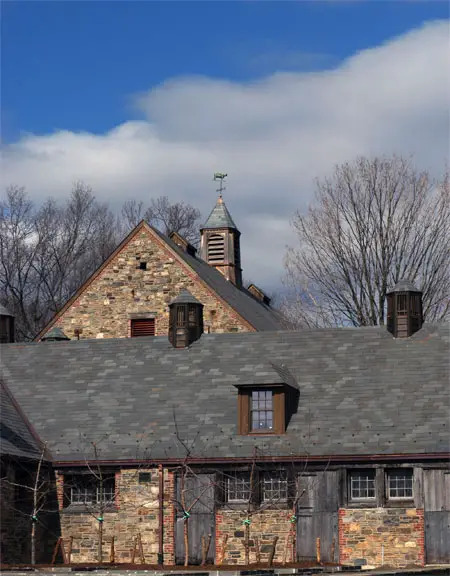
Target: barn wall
(264,526)
(103,309)
(382,536)
(137,507)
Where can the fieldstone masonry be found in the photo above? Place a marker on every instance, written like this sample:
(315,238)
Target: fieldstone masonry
(264,526)
(136,512)
(122,289)
(382,536)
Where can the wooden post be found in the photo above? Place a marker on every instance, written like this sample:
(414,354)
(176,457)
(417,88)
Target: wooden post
(59,546)
(333,549)
(141,549)
(286,546)
(112,553)
(206,543)
(224,547)
(133,550)
(257,550)
(272,552)
(318,550)
(69,551)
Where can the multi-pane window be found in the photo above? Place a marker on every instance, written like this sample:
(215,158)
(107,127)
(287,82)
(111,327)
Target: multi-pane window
(400,483)
(275,486)
(261,410)
(362,484)
(238,487)
(85,489)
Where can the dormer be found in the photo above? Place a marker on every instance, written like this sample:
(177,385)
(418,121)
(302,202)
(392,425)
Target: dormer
(182,243)
(259,294)
(265,406)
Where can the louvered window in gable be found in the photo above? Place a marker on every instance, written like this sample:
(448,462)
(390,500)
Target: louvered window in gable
(142,327)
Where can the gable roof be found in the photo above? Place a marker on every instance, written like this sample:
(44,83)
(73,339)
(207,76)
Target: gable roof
(361,392)
(16,436)
(256,314)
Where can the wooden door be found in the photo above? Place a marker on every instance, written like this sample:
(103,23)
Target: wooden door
(317,517)
(199,504)
(436,495)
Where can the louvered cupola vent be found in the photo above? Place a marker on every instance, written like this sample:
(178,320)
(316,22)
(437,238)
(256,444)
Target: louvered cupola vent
(216,248)
(185,320)
(6,326)
(404,309)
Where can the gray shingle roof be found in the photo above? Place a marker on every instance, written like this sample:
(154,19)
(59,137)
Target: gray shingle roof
(4,311)
(360,392)
(15,436)
(259,315)
(404,286)
(219,217)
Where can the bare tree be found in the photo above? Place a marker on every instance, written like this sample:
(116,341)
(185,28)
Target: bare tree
(35,488)
(46,253)
(374,222)
(166,217)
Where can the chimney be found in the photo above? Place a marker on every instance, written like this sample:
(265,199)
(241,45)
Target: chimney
(6,326)
(55,335)
(259,294)
(185,320)
(404,309)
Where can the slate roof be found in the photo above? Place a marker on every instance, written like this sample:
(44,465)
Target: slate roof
(361,392)
(219,217)
(16,438)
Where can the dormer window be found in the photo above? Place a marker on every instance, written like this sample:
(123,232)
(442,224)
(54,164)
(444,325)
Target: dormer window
(261,417)
(261,410)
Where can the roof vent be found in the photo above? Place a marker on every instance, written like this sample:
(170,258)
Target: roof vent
(6,326)
(259,294)
(182,243)
(55,335)
(185,320)
(404,309)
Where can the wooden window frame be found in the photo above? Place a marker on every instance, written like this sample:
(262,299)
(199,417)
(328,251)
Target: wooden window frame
(407,472)
(367,473)
(279,410)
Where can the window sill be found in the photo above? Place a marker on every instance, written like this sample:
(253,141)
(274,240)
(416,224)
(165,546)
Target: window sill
(87,509)
(400,503)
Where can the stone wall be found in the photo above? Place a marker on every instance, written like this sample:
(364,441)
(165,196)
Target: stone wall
(136,512)
(122,289)
(264,526)
(382,536)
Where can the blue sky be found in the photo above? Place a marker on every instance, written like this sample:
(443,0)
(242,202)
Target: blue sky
(74,65)
(141,99)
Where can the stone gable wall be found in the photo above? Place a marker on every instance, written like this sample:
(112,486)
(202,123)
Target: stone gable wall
(382,536)
(103,310)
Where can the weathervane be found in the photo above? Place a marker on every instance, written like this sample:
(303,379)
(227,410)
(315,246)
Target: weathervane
(221,177)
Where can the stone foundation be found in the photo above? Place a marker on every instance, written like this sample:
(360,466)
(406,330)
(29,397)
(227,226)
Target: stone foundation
(382,536)
(264,526)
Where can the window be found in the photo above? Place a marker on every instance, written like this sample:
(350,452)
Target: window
(142,327)
(275,486)
(362,484)
(143,265)
(400,484)
(86,489)
(238,487)
(261,410)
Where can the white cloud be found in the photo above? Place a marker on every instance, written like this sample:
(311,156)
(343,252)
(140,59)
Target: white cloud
(273,137)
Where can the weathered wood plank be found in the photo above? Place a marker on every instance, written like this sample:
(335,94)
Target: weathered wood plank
(437,537)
